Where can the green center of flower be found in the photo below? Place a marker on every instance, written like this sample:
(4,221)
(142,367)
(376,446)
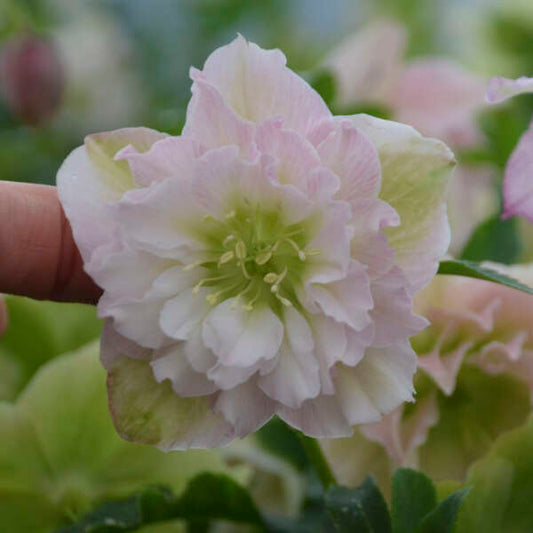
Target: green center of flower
(257,258)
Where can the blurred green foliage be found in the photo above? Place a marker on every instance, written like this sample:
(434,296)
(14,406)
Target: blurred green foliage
(38,332)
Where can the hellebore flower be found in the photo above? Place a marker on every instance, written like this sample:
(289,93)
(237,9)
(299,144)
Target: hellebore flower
(474,382)
(31,78)
(518,178)
(261,263)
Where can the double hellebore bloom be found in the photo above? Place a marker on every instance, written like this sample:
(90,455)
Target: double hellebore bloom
(261,263)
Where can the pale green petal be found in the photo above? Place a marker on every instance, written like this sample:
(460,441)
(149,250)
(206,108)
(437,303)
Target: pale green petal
(149,412)
(415,174)
(102,148)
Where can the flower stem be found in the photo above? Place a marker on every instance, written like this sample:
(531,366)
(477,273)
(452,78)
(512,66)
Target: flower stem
(317,459)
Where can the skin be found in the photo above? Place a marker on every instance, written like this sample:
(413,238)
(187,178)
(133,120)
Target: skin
(38,256)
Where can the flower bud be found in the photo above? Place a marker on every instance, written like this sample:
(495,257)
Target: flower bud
(31,78)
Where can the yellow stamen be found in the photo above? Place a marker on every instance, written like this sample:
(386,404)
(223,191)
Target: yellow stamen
(263,257)
(226,258)
(240,250)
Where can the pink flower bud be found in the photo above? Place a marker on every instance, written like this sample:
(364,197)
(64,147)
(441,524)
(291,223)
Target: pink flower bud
(31,78)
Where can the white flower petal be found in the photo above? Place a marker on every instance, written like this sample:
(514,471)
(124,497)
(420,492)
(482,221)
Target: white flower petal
(245,407)
(171,363)
(239,337)
(320,418)
(257,85)
(296,376)
(184,313)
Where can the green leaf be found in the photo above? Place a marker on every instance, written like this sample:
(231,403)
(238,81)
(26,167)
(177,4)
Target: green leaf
(60,454)
(215,496)
(471,269)
(362,509)
(281,440)
(502,487)
(413,497)
(38,332)
(442,519)
(494,240)
(208,497)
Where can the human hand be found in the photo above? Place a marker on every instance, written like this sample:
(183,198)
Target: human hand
(38,256)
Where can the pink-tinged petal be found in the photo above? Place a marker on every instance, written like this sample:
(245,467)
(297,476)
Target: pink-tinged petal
(295,157)
(296,376)
(161,219)
(172,364)
(258,86)
(113,346)
(333,241)
(211,122)
(348,300)
(439,99)
(384,378)
(112,271)
(330,339)
(443,369)
(370,245)
(416,425)
(518,179)
(401,434)
(138,320)
(357,343)
(330,346)
(319,418)
(90,179)
(500,89)
(149,412)
(239,337)
(172,157)
(183,314)
(367,63)
(229,377)
(245,407)
(414,175)
(348,153)
(199,355)
(357,405)
(387,433)
(392,314)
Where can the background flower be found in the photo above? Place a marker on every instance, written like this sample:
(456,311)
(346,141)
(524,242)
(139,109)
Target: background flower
(474,383)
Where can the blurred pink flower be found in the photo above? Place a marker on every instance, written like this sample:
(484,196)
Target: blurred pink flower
(474,324)
(263,262)
(31,78)
(436,96)
(518,178)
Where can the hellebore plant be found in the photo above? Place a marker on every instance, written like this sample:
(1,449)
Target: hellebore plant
(262,263)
